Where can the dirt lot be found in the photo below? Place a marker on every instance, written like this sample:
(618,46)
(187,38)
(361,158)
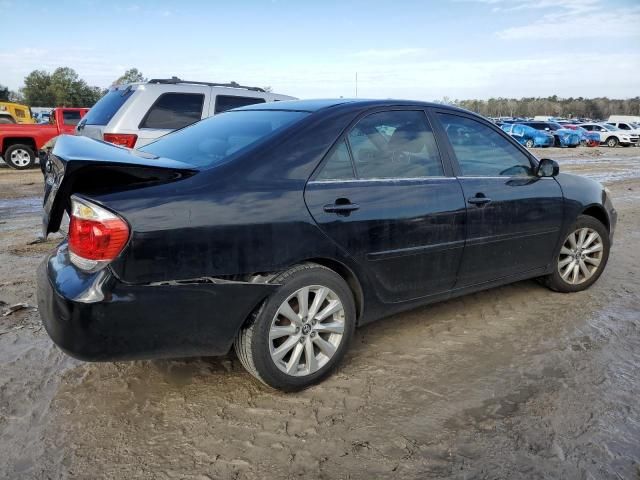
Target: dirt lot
(516,382)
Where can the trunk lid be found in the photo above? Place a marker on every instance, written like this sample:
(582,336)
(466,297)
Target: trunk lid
(84,165)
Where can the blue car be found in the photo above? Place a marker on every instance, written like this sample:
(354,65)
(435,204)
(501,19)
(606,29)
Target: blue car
(528,136)
(564,137)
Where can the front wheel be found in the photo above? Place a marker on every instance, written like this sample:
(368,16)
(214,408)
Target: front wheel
(302,331)
(19,157)
(582,257)
(529,143)
(612,142)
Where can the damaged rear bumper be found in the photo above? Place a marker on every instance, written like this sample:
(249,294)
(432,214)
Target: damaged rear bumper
(95,317)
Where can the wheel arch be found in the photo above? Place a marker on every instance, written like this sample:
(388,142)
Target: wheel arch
(598,212)
(10,141)
(349,276)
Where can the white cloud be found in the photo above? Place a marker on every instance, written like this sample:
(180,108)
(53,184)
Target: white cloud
(568,19)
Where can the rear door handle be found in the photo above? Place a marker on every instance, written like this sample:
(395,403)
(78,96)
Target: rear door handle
(479,201)
(341,207)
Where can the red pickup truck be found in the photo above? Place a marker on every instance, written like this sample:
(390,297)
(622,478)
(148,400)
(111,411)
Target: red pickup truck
(19,143)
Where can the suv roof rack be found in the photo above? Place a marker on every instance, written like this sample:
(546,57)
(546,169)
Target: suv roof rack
(176,80)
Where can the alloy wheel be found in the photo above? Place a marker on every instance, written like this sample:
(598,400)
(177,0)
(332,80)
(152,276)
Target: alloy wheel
(580,256)
(20,158)
(306,330)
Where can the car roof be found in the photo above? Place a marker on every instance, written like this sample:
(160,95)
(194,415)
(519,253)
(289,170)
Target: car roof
(315,105)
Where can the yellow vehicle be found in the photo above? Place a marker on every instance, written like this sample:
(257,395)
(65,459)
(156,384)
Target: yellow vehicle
(19,113)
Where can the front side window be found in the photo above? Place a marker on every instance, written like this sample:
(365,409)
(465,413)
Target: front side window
(172,111)
(395,144)
(481,151)
(228,102)
(20,113)
(70,118)
(213,140)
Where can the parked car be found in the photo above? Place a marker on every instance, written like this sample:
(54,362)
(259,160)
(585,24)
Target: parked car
(528,136)
(587,138)
(136,114)
(564,137)
(20,113)
(19,144)
(633,129)
(611,136)
(278,228)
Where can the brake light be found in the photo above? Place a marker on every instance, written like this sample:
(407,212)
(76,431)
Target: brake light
(124,139)
(96,236)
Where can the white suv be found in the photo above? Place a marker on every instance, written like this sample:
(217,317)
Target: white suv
(136,114)
(611,136)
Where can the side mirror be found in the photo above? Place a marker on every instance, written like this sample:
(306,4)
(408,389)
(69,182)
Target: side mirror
(548,168)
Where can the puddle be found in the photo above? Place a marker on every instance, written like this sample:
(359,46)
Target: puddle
(15,207)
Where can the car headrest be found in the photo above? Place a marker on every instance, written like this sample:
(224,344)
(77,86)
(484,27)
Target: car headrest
(407,139)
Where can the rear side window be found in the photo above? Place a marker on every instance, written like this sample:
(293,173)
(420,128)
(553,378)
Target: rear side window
(213,140)
(228,102)
(172,111)
(70,118)
(338,165)
(20,113)
(104,110)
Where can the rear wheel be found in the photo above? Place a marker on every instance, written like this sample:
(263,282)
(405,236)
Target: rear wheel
(582,257)
(19,157)
(302,331)
(612,142)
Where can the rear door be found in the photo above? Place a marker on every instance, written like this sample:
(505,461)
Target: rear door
(514,217)
(385,196)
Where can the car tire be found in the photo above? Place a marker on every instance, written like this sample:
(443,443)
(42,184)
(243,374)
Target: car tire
(6,121)
(19,157)
(529,143)
(278,351)
(584,251)
(612,142)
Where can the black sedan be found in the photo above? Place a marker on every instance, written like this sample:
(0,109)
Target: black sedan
(279,228)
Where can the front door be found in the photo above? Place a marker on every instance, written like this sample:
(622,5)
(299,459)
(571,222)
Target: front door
(514,217)
(384,196)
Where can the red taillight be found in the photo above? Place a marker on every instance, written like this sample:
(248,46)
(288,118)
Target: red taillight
(125,139)
(96,236)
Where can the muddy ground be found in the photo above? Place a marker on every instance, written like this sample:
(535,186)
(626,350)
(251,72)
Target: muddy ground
(515,382)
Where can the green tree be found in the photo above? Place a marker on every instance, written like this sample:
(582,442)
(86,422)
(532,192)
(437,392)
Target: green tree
(130,76)
(4,93)
(36,90)
(62,88)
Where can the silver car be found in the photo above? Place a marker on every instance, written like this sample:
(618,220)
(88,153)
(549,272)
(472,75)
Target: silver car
(136,114)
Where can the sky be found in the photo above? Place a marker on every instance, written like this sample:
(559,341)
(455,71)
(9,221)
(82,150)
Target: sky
(422,50)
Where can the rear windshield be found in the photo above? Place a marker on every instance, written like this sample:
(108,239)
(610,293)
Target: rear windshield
(103,111)
(211,141)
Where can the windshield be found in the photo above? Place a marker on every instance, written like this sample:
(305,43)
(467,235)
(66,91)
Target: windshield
(611,128)
(107,106)
(213,140)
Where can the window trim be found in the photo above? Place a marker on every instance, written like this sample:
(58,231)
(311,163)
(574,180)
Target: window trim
(344,136)
(457,170)
(217,95)
(146,115)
